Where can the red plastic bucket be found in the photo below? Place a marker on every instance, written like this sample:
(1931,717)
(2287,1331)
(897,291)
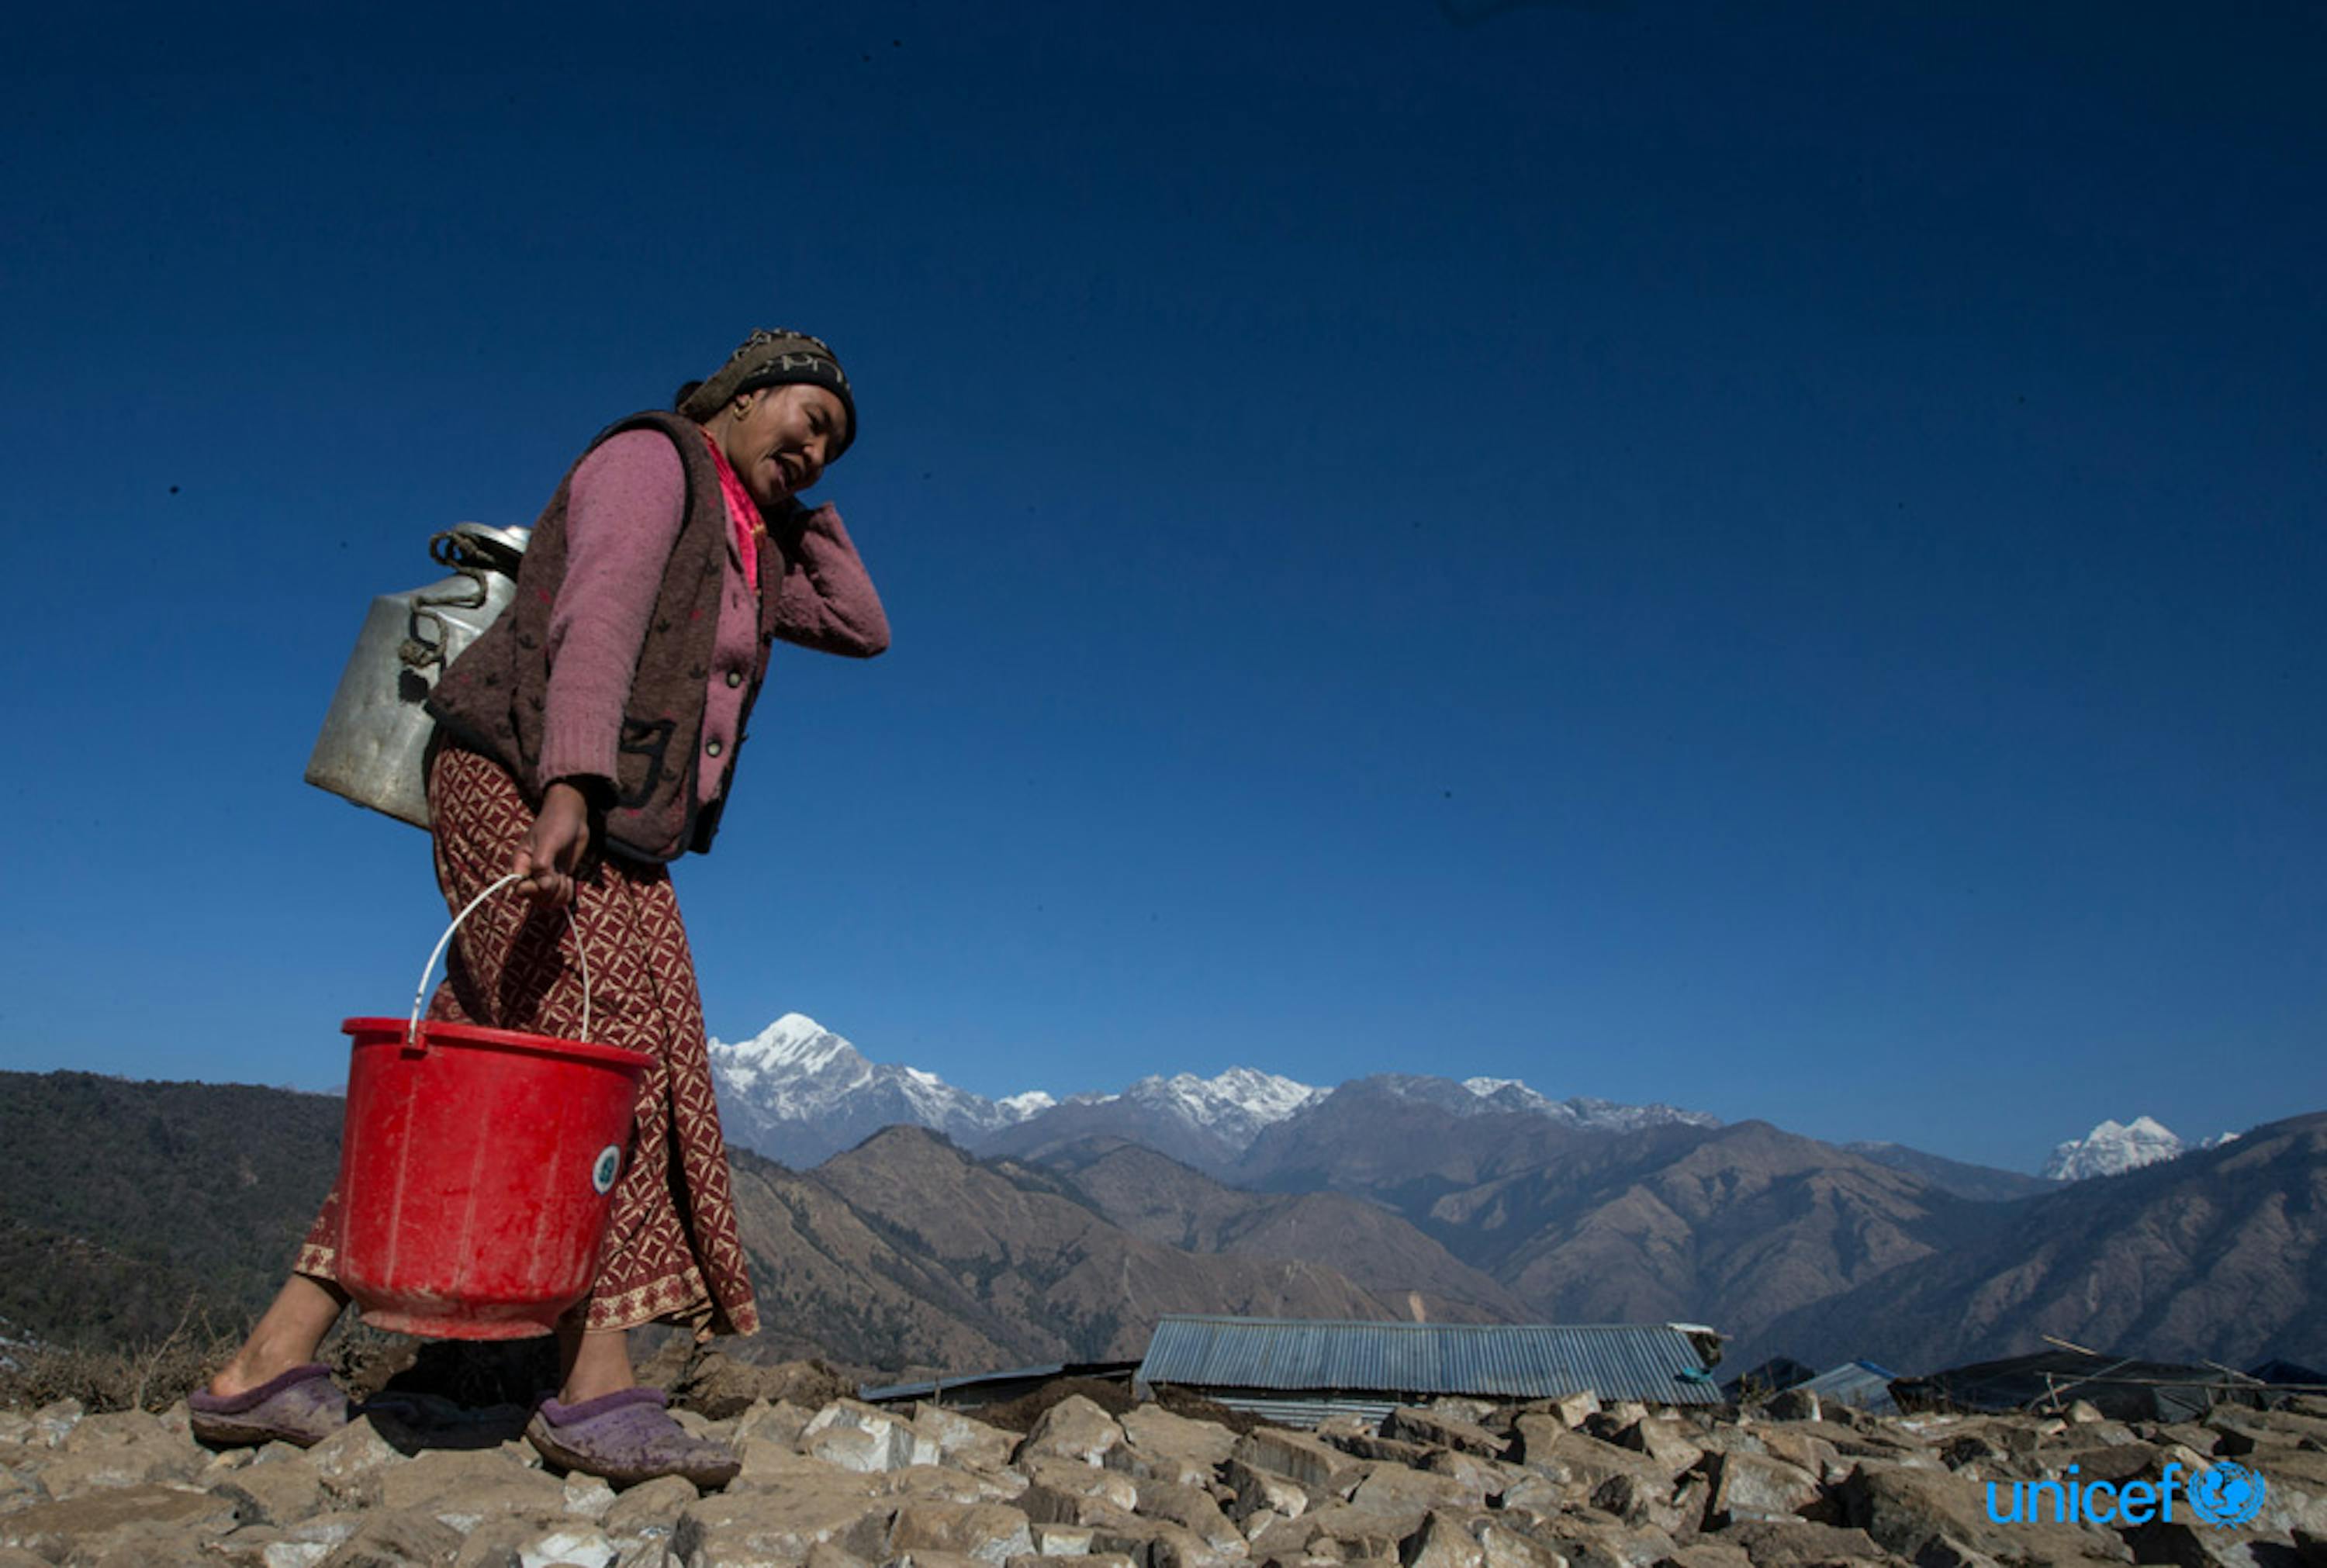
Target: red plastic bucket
(476,1170)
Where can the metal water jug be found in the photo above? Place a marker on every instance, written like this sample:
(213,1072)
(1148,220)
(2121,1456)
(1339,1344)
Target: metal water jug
(376,733)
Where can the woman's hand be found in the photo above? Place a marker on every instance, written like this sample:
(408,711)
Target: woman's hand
(552,853)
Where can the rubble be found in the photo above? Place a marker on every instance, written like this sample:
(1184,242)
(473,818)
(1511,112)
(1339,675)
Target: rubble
(1789,1483)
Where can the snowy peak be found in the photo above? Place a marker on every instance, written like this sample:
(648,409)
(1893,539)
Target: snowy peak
(799,1093)
(1236,1105)
(1580,1111)
(2115,1147)
(793,1046)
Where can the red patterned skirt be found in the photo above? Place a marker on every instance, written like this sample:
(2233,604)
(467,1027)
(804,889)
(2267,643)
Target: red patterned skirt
(671,1252)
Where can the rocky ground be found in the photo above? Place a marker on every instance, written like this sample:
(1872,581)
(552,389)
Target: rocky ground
(1459,1485)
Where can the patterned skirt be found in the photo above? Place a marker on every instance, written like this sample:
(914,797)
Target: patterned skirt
(672,1253)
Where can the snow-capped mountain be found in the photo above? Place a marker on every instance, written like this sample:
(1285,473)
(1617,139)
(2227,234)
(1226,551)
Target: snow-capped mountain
(1581,1110)
(2115,1147)
(799,1093)
(1236,1105)
(1201,1122)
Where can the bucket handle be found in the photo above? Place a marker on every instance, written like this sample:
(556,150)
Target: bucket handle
(420,996)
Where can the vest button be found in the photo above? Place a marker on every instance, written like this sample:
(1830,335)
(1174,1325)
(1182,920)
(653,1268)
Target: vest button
(734,677)
(712,750)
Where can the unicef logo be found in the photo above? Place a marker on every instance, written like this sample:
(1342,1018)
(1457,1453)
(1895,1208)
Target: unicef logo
(2228,1494)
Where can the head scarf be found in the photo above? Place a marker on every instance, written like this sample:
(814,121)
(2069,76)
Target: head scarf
(775,358)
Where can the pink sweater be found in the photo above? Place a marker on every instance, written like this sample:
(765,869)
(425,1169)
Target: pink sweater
(623,512)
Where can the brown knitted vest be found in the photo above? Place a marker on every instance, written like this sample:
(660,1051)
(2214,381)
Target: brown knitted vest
(492,698)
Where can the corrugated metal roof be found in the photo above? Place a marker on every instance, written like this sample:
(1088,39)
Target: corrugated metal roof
(1006,1379)
(1862,1384)
(1511,1361)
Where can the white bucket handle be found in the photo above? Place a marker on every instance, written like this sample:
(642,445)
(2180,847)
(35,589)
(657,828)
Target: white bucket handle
(420,996)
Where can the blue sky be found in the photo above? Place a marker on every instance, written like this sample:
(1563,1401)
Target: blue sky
(1762,557)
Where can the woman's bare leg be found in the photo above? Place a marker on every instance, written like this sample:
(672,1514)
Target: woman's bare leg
(285,1336)
(597,1362)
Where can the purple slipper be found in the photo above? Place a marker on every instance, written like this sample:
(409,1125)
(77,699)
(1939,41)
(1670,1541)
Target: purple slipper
(627,1437)
(303,1405)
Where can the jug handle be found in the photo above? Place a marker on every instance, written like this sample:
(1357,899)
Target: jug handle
(420,996)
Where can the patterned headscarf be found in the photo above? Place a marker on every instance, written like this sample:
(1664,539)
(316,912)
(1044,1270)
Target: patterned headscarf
(775,358)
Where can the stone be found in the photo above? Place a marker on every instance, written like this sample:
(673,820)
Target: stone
(1791,1404)
(2192,1545)
(1503,1547)
(587,1495)
(1355,1532)
(823,1554)
(1056,1479)
(988,1533)
(1574,1409)
(281,1493)
(1801,1544)
(782,1422)
(1642,1499)
(462,1488)
(1192,1507)
(1592,1543)
(722,1388)
(1805,1452)
(153,1547)
(765,1462)
(51,1421)
(1158,1445)
(1537,1435)
(1395,1489)
(1708,1555)
(861,1438)
(962,1441)
(1431,1428)
(408,1538)
(1664,1440)
(311,1540)
(1578,1465)
(1442,1541)
(1485,1476)
(346,1459)
(1074,1428)
(1382,1450)
(2296,1497)
(930,1557)
(1922,1514)
(1061,1540)
(1483,1413)
(782,1523)
(1256,1491)
(1299,1457)
(120,1449)
(645,1515)
(1748,1486)
(1157,1543)
(942,1483)
(87,1524)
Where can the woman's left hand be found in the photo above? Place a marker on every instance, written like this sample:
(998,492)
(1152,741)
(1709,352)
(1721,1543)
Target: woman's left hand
(553,851)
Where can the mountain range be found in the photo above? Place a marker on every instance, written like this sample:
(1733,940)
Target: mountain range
(799,1094)
(1391,1196)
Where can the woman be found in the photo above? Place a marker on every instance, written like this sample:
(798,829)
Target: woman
(587,737)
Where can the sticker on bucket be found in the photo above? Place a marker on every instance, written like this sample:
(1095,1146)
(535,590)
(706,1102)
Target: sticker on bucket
(609,1166)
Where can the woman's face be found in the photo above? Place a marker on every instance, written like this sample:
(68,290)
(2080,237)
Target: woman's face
(778,438)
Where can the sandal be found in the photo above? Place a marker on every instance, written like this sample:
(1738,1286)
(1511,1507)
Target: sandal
(627,1437)
(301,1407)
